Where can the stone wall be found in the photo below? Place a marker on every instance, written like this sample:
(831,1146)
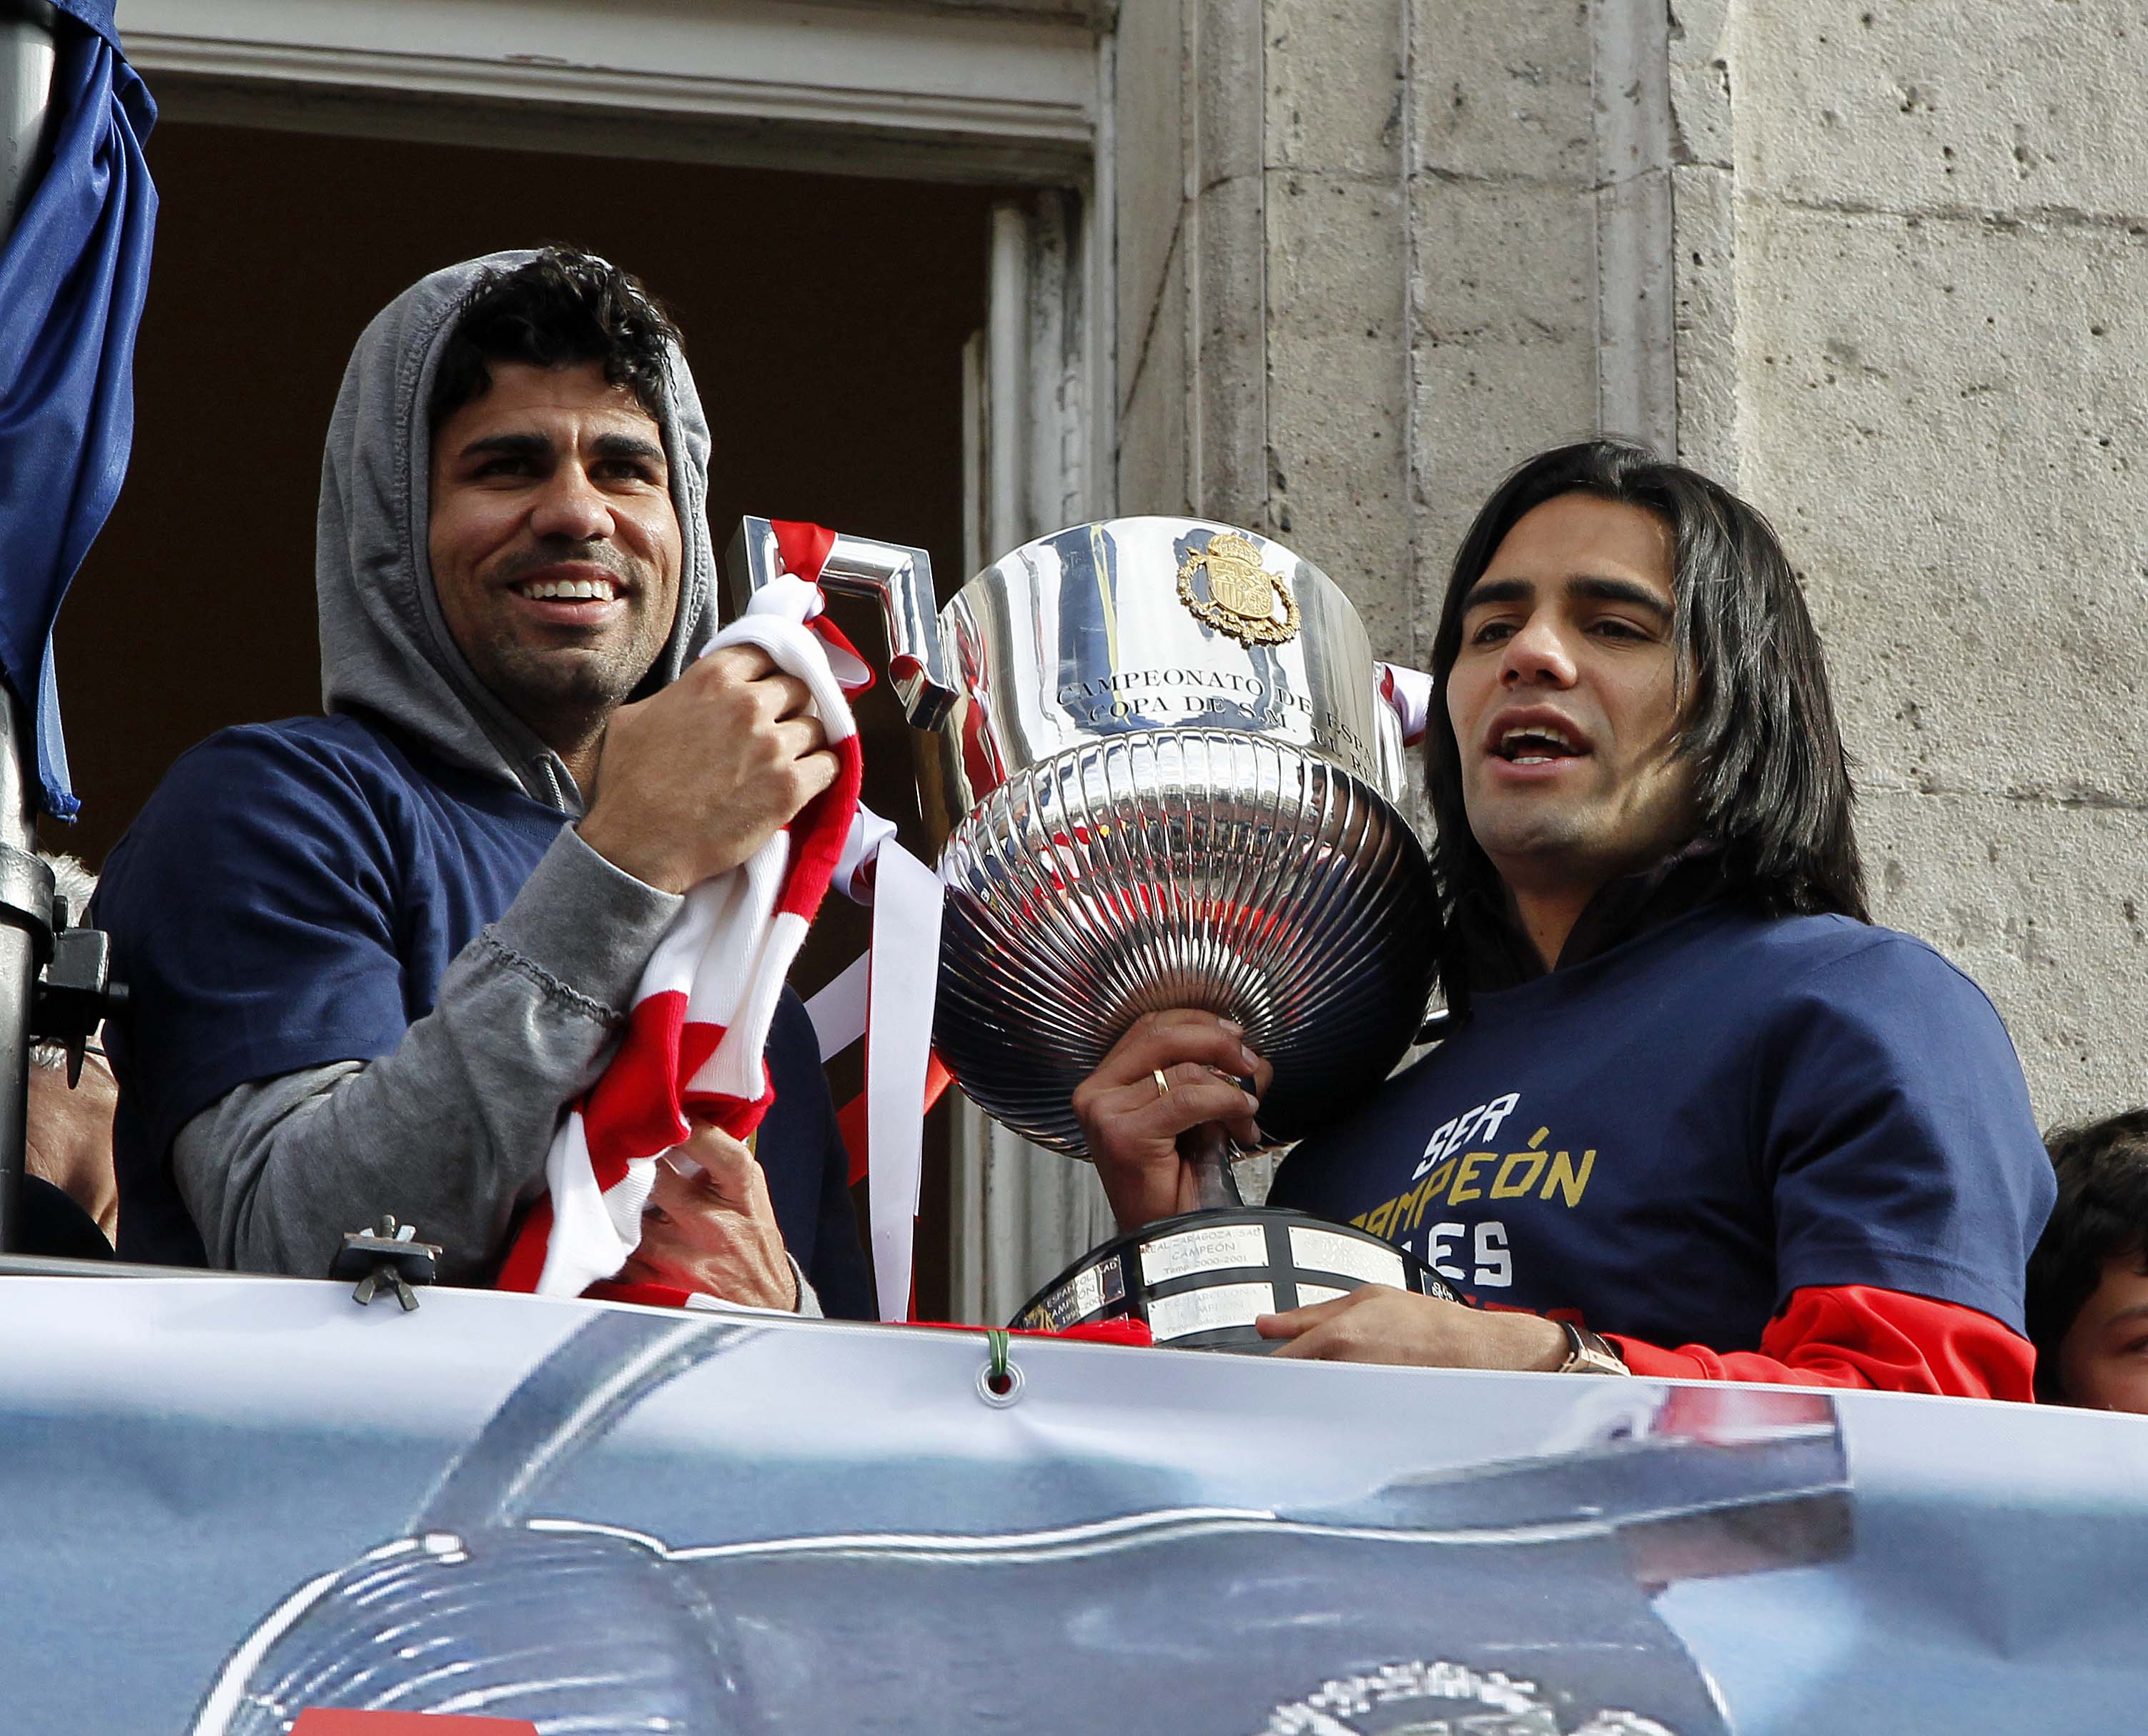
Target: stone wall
(1878,263)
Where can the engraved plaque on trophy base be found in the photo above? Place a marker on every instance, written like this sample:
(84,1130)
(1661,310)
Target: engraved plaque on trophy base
(1201,1279)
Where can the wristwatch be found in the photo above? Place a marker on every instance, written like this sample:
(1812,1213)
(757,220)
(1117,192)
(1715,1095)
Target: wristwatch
(1588,1354)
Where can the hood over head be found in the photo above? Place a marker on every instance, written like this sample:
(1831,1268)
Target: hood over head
(385,648)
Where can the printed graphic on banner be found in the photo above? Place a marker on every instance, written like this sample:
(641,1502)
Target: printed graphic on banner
(564,1517)
(590,1627)
(1419,1698)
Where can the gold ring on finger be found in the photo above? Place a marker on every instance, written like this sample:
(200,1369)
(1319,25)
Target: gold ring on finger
(1162,1084)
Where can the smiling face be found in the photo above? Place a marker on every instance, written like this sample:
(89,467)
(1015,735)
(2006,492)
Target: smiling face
(1564,698)
(554,545)
(2103,1360)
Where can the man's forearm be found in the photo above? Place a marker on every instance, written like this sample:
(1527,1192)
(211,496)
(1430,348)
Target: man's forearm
(450,1132)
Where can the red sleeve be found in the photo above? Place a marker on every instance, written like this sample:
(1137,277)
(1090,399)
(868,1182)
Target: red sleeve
(1853,1335)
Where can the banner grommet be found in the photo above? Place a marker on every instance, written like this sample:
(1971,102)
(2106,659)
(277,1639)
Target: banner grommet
(999,1382)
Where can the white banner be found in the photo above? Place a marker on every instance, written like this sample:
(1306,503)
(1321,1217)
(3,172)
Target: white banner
(239,1505)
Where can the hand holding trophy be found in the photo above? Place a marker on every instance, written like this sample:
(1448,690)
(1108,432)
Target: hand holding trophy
(1162,1109)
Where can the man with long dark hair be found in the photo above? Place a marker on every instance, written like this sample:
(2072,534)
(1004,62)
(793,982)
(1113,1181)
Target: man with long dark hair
(1690,1099)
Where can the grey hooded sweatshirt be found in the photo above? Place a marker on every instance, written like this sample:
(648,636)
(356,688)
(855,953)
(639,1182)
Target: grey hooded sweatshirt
(450,1129)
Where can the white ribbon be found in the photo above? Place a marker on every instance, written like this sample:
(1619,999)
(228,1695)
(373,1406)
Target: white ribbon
(892,1007)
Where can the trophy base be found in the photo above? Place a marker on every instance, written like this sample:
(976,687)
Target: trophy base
(1199,1280)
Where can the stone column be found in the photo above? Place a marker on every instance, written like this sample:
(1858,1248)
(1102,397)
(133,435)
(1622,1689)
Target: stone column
(1942,385)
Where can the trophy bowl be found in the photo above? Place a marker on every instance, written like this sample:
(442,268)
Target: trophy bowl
(1189,867)
(1176,780)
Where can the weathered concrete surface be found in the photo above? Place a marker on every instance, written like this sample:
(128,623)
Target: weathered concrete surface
(1332,74)
(1228,351)
(1149,133)
(1956,458)
(2049,913)
(1337,244)
(1338,476)
(1505,343)
(1704,229)
(1153,468)
(1928,105)
(1150,85)
(1703,127)
(1942,399)
(1501,90)
(1502,353)
(1705,235)
(1634,158)
(1228,263)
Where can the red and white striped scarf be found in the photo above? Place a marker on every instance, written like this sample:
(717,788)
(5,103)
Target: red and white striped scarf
(700,1020)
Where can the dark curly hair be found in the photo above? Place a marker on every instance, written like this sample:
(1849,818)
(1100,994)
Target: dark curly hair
(563,307)
(2101,1215)
(1771,781)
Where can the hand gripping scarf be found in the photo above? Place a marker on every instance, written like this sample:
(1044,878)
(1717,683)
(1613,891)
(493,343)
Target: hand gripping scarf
(700,1020)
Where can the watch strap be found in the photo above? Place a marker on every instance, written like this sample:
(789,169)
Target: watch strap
(1586,1353)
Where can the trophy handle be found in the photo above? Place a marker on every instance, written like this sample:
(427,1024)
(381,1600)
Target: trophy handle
(899,578)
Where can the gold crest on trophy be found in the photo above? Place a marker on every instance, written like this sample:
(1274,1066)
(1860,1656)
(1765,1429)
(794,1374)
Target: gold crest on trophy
(1244,596)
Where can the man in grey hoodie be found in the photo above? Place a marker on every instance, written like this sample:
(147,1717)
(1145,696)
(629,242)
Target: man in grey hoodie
(373,955)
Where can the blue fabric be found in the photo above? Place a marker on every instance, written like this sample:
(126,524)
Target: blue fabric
(290,897)
(95,13)
(73,280)
(1668,1139)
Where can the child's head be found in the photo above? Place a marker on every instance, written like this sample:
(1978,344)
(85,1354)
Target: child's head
(2088,1279)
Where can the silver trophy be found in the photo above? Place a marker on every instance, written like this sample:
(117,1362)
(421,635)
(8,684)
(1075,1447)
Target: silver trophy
(1171,777)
